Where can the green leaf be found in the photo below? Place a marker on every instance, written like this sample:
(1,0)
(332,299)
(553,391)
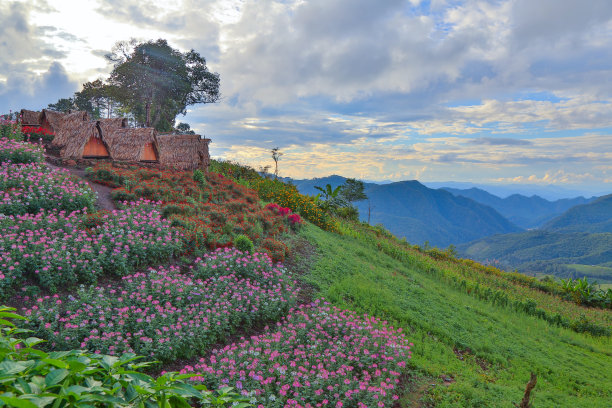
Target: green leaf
(13,367)
(17,402)
(55,376)
(32,341)
(76,366)
(41,401)
(55,362)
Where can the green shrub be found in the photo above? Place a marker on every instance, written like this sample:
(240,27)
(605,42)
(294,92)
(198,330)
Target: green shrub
(243,243)
(33,378)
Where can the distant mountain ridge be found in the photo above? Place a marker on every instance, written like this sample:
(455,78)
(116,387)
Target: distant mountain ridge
(420,214)
(576,243)
(526,212)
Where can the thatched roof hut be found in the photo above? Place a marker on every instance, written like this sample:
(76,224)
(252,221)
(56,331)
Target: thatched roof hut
(83,141)
(184,152)
(30,118)
(108,125)
(132,144)
(50,119)
(66,126)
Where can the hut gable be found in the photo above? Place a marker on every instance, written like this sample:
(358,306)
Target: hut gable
(108,125)
(67,126)
(30,118)
(131,144)
(50,119)
(184,152)
(83,141)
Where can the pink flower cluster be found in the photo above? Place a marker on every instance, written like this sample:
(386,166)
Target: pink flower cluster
(294,219)
(20,152)
(162,313)
(56,249)
(28,188)
(318,356)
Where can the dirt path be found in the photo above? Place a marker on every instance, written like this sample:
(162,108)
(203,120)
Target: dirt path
(104,199)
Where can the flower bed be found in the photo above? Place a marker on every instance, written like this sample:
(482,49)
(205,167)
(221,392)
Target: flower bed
(164,314)
(317,356)
(36,133)
(29,188)
(20,152)
(58,249)
(211,210)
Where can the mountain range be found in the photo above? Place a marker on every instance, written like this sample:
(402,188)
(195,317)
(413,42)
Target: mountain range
(526,212)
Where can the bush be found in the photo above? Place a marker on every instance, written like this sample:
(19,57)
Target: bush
(243,243)
(75,378)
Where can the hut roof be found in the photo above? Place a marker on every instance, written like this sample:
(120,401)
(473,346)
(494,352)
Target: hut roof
(76,138)
(52,117)
(107,125)
(185,152)
(66,125)
(29,117)
(128,143)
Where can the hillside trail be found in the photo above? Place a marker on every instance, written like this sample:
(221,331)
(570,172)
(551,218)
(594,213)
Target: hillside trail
(104,201)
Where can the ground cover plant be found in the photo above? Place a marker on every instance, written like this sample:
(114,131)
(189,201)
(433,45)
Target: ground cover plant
(52,250)
(476,352)
(12,151)
(276,191)
(316,356)
(211,210)
(33,378)
(164,314)
(29,188)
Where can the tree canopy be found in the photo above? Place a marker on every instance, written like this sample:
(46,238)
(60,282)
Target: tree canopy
(151,82)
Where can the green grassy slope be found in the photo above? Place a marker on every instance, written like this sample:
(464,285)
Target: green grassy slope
(593,217)
(498,346)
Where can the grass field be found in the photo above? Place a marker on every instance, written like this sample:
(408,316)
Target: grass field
(476,354)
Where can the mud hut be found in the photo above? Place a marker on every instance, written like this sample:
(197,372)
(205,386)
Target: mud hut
(67,126)
(132,144)
(30,118)
(183,152)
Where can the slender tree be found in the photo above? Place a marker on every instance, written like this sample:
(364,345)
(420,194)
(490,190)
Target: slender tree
(276,154)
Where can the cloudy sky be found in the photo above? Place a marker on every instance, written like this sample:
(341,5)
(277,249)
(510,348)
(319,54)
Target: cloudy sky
(496,91)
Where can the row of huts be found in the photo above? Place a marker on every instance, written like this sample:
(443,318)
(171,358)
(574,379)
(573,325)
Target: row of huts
(79,137)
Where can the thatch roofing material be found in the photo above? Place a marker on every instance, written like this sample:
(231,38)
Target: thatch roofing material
(78,136)
(127,144)
(29,117)
(53,118)
(108,125)
(184,152)
(67,126)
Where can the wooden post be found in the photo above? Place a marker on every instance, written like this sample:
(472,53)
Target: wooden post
(530,386)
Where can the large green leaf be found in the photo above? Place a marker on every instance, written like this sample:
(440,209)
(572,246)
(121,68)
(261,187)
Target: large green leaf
(55,376)
(17,402)
(13,367)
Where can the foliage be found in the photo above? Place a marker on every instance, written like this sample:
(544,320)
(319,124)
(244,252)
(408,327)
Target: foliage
(211,211)
(243,243)
(316,356)
(33,378)
(29,188)
(55,249)
(157,82)
(10,129)
(584,292)
(164,314)
(12,151)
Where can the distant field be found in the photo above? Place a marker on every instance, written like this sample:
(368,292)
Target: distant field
(602,274)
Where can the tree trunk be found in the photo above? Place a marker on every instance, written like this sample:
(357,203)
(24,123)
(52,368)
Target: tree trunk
(148,114)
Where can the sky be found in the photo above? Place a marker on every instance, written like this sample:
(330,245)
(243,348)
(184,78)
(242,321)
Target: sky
(493,92)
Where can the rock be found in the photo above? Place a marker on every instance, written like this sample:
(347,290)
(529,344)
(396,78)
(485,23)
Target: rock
(70,163)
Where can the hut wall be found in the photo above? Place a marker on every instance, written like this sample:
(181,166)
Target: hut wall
(95,148)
